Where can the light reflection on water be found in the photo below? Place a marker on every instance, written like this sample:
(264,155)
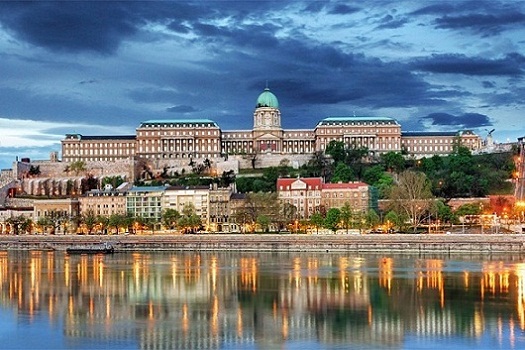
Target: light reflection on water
(209,300)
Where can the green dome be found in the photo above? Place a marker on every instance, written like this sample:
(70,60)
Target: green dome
(267,99)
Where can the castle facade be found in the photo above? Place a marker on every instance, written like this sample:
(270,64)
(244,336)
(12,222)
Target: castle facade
(165,140)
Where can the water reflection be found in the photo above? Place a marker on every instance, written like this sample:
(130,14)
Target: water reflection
(267,300)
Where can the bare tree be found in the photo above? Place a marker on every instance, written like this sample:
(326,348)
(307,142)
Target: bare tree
(412,196)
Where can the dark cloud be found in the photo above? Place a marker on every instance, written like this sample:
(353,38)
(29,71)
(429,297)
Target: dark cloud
(315,6)
(179,27)
(342,9)
(488,84)
(511,97)
(217,55)
(437,8)
(389,22)
(485,24)
(96,26)
(181,109)
(510,65)
(72,26)
(486,18)
(90,81)
(467,120)
(322,75)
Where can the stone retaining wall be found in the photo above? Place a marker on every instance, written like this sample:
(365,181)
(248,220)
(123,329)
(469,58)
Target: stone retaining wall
(411,244)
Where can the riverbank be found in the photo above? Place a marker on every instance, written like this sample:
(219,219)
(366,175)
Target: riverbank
(398,243)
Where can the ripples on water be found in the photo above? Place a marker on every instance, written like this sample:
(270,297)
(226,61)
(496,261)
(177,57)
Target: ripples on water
(206,300)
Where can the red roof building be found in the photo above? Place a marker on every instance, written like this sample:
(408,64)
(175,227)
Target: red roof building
(311,195)
(303,193)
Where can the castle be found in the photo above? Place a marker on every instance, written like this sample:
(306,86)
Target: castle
(173,143)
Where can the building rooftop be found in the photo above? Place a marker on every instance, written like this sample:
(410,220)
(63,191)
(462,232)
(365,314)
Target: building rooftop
(343,185)
(356,119)
(100,137)
(428,133)
(177,122)
(147,189)
(292,182)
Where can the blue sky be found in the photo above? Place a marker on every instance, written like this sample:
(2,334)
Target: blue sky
(100,68)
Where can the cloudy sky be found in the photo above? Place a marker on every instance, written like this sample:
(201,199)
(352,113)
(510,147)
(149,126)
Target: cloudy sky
(100,68)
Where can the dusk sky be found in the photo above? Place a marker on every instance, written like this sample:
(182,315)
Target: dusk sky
(100,68)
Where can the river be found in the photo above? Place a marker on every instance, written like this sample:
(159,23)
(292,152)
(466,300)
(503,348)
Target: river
(260,300)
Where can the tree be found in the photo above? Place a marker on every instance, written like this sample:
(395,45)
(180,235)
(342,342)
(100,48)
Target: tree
(469,209)
(331,221)
(53,219)
(43,222)
(393,161)
(114,181)
(170,217)
(316,220)
(34,170)
(19,224)
(207,164)
(264,222)
(244,184)
(88,183)
(342,173)
(227,178)
(337,150)
(287,213)
(89,220)
(76,167)
(372,174)
(412,196)
(444,212)
(346,216)
(189,221)
(393,219)
(117,221)
(372,219)
(259,203)
(102,223)
(149,223)
(318,166)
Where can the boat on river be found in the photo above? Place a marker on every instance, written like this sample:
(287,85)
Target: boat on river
(105,248)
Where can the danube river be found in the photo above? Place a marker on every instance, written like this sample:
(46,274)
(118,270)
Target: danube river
(260,300)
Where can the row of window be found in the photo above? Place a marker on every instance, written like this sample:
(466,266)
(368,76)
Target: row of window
(210,148)
(236,136)
(309,135)
(72,158)
(316,194)
(97,145)
(423,141)
(141,133)
(177,141)
(101,151)
(358,131)
(180,125)
(445,149)
(357,123)
(178,155)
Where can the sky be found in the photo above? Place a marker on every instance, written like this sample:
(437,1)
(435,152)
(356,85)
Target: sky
(101,68)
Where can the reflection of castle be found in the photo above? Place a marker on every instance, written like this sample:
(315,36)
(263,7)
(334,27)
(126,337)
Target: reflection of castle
(172,142)
(214,300)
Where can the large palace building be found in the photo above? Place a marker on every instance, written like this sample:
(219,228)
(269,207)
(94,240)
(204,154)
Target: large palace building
(168,140)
